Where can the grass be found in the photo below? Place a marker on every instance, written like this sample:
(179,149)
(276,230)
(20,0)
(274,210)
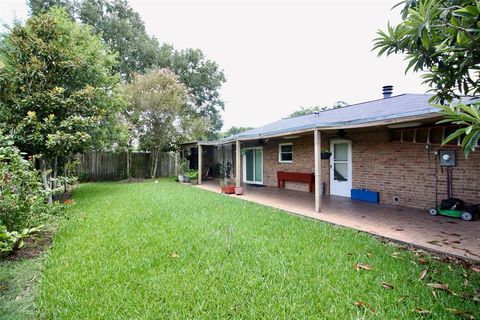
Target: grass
(18,285)
(167,251)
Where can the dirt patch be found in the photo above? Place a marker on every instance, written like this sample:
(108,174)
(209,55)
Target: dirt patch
(34,246)
(3,286)
(62,197)
(132,180)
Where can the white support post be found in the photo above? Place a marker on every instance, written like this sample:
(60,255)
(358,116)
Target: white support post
(200,169)
(318,170)
(238,180)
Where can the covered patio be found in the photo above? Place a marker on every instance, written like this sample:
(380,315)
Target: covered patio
(408,225)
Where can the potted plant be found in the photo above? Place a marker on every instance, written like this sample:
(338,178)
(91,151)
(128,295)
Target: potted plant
(226,184)
(192,175)
(325,154)
(182,169)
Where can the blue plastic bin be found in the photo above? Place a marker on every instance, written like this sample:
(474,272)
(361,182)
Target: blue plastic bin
(365,195)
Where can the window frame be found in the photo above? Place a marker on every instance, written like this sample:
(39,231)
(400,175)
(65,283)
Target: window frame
(280,145)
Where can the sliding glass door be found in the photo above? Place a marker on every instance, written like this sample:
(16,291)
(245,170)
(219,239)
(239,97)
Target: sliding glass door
(253,165)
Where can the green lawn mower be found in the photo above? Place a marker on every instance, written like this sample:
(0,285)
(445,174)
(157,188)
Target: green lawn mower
(451,207)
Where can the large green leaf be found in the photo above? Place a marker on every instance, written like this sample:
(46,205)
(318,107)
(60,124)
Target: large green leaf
(468,11)
(453,136)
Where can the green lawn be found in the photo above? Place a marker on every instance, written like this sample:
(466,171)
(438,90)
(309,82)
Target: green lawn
(18,284)
(167,251)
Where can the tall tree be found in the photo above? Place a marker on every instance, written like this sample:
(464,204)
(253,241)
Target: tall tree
(441,38)
(57,87)
(204,78)
(124,31)
(38,6)
(309,110)
(159,112)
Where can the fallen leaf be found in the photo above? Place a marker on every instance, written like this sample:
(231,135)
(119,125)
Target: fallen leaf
(422,261)
(399,229)
(363,304)
(422,311)
(441,286)
(476,269)
(360,303)
(450,234)
(395,255)
(434,242)
(422,274)
(386,285)
(456,242)
(174,255)
(463,314)
(470,252)
(434,294)
(364,266)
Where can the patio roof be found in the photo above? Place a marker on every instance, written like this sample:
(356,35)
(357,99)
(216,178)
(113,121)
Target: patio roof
(400,108)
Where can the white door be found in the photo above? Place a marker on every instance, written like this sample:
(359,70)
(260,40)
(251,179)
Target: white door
(253,165)
(341,168)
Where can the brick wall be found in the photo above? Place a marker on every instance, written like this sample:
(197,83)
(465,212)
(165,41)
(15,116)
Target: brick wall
(303,161)
(407,171)
(402,170)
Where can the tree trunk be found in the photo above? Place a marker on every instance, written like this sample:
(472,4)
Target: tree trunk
(66,173)
(44,175)
(154,162)
(54,173)
(129,163)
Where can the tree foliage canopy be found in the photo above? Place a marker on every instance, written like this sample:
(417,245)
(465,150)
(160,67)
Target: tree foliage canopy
(56,85)
(123,30)
(159,110)
(303,111)
(233,131)
(440,37)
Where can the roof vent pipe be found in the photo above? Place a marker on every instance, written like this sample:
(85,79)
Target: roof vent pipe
(387,91)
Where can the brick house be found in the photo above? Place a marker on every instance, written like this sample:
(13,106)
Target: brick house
(389,146)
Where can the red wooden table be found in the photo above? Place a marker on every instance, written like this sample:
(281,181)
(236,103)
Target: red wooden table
(283,176)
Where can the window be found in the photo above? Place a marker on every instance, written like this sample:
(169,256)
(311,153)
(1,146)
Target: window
(285,152)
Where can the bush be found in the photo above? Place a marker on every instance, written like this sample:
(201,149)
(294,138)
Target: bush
(22,198)
(192,174)
(10,241)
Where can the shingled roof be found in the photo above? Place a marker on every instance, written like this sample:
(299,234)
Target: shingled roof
(392,109)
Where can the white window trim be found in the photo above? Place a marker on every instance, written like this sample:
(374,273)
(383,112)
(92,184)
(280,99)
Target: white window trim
(280,152)
(244,160)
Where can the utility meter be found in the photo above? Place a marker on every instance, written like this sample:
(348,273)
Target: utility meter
(447,158)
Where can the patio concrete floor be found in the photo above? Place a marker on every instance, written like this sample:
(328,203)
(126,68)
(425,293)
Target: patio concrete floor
(409,225)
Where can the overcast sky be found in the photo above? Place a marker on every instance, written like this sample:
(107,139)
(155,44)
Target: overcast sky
(278,55)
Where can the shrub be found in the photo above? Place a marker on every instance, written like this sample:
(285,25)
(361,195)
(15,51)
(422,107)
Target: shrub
(191,174)
(22,198)
(10,241)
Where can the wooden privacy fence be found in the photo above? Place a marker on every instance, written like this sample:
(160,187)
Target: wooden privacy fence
(107,166)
